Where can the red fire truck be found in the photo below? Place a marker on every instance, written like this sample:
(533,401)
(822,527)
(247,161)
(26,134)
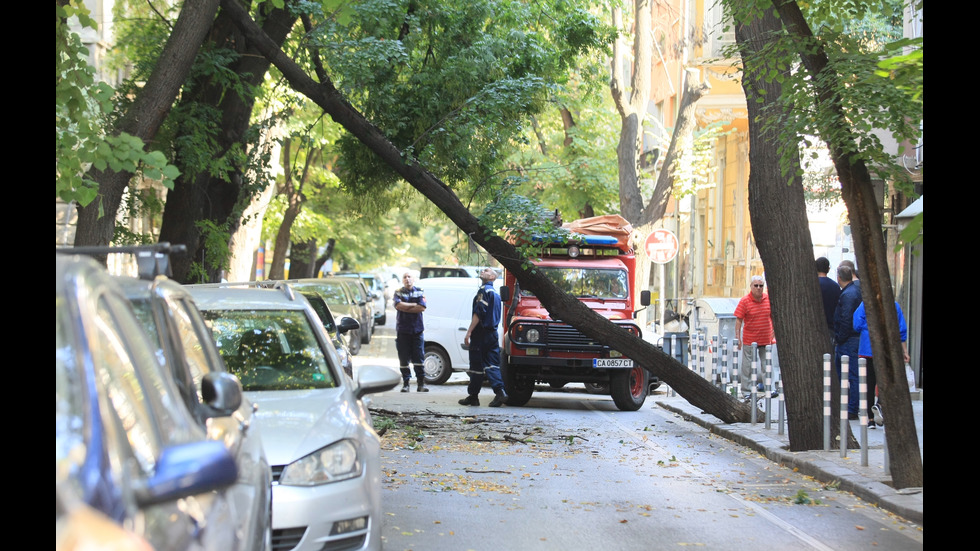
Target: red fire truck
(597,266)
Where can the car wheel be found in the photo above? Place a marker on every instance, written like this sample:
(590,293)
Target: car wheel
(438,367)
(519,389)
(366,334)
(597,388)
(354,341)
(382,319)
(628,388)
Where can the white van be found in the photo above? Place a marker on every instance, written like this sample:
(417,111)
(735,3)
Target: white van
(449,309)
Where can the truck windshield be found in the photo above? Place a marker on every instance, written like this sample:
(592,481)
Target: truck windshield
(586,282)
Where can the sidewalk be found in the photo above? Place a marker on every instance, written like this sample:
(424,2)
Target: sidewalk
(869,482)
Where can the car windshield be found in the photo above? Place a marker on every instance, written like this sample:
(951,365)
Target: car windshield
(270,349)
(586,282)
(332,293)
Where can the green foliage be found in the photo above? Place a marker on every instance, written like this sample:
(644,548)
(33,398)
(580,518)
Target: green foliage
(912,234)
(216,253)
(802,498)
(856,37)
(517,217)
(83,109)
(449,83)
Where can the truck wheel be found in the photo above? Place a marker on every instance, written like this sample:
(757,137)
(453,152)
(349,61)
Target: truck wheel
(437,366)
(519,389)
(628,388)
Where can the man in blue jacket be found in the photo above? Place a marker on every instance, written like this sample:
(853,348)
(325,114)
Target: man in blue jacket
(864,351)
(484,343)
(846,338)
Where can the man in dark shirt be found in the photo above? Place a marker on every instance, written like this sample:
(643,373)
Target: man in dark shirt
(409,303)
(830,291)
(484,343)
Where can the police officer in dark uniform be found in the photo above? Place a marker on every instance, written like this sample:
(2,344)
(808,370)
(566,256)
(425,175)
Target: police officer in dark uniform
(409,304)
(484,343)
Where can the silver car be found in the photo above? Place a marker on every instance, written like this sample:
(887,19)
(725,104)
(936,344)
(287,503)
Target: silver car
(325,455)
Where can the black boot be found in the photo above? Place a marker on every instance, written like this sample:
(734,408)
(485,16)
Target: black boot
(470,401)
(405,386)
(422,387)
(499,399)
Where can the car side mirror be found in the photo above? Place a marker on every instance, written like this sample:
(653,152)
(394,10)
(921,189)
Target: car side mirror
(375,378)
(347,324)
(189,469)
(222,391)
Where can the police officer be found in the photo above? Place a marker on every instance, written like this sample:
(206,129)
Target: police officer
(484,343)
(409,304)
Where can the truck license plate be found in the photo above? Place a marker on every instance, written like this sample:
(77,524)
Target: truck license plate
(612,362)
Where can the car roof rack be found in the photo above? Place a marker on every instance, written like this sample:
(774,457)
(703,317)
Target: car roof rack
(151,260)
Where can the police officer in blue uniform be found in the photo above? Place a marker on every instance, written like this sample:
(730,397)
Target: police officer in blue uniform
(409,304)
(484,343)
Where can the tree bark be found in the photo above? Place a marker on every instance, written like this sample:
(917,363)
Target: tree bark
(632,106)
(97,220)
(197,197)
(688,384)
(302,260)
(779,222)
(905,459)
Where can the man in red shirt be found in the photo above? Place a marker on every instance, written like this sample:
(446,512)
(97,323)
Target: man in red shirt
(753,324)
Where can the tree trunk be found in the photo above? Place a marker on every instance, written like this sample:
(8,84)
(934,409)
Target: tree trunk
(97,220)
(681,138)
(632,105)
(197,197)
(779,222)
(688,384)
(302,260)
(905,459)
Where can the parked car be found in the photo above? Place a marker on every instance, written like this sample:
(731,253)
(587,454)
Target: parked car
(325,455)
(333,330)
(337,292)
(365,300)
(448,312)
(125,445)
(449,271)
(187,353)
(377,292)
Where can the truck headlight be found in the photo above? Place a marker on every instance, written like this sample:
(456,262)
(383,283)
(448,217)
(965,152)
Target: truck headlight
(532,335)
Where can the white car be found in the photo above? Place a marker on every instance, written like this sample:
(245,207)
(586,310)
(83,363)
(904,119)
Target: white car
(448,312)
(317,433)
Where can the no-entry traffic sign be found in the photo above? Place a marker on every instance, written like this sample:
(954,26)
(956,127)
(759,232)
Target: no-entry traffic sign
(661,246)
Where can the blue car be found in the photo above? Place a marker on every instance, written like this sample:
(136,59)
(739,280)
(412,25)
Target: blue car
(124,445)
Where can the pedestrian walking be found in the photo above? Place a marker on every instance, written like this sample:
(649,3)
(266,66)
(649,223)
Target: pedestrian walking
(484,343)
(753,324)
(829,290)
(409,302)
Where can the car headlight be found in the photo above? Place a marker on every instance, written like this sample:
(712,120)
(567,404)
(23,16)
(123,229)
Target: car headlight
(333,463)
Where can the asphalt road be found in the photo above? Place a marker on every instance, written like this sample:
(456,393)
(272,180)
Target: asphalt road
(570,471)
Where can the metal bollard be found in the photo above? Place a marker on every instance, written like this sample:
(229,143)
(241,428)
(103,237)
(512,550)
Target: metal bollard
(768,385)
(862,407)
(753,389)
(715,361)
(702,351)
(843,415)
(725,373)
(736,372)
(826,402)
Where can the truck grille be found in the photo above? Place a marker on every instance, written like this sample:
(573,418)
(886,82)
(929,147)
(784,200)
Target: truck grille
(566,336)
